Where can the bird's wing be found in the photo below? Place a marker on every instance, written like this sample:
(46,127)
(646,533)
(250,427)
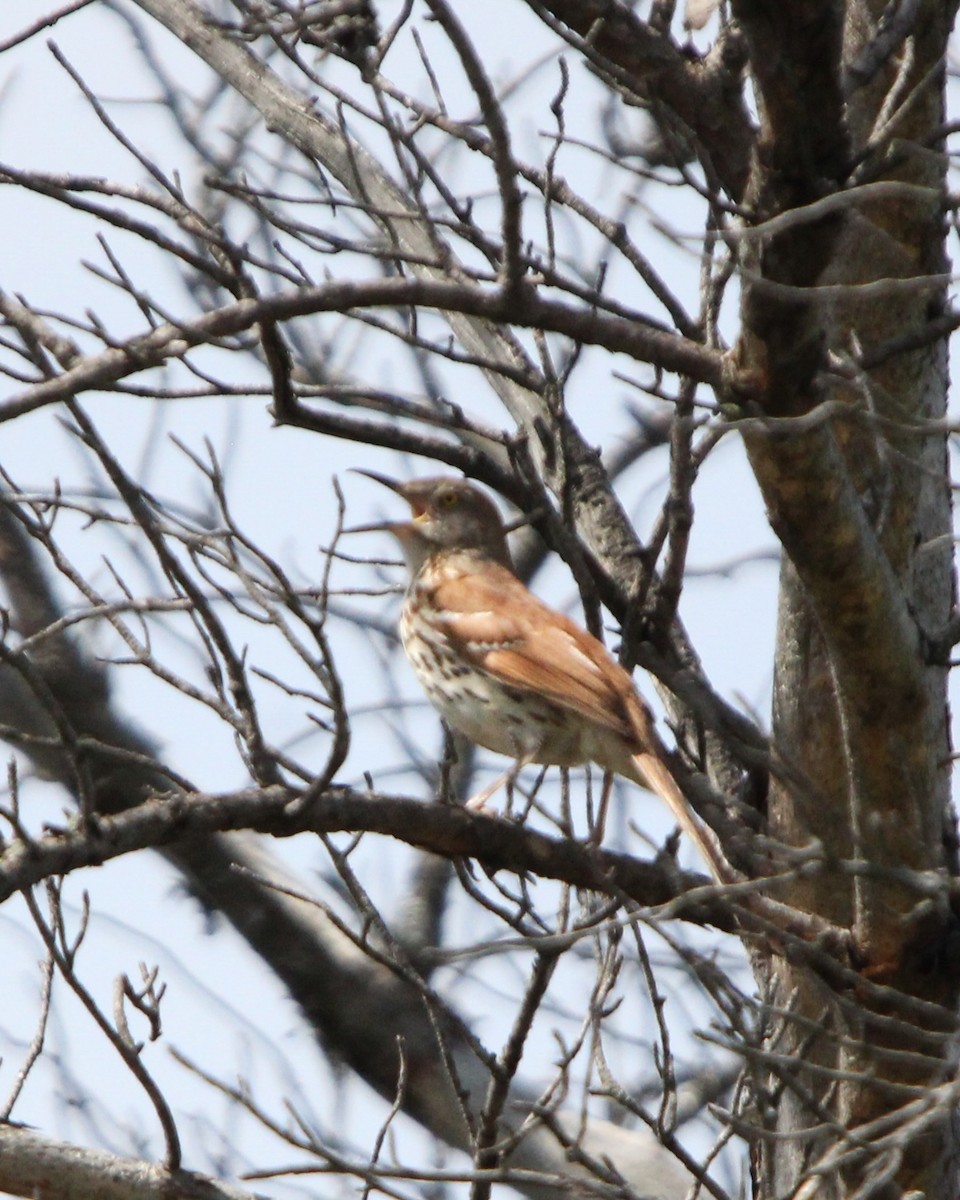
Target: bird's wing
(504,629)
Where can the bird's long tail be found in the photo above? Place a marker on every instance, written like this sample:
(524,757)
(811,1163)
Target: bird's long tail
(653,773)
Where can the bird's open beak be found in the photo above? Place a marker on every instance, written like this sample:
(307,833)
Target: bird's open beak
(397,528)
(393,484)
(394,527)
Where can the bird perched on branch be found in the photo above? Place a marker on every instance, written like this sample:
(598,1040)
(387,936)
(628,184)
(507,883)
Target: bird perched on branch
(507,671)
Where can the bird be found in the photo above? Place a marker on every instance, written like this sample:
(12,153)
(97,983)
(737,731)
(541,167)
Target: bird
(506,670)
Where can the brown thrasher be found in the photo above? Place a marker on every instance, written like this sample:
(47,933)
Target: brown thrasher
(507,671)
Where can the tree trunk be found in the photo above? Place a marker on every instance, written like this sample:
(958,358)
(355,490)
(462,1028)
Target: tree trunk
(859,497)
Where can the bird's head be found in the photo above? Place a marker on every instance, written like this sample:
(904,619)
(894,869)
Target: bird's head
(446,514)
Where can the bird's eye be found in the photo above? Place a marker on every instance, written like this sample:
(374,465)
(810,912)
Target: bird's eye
(449,499)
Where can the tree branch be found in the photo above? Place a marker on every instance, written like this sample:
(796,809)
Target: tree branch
(31,1165)
(706,94)
(625,333)
(452,832)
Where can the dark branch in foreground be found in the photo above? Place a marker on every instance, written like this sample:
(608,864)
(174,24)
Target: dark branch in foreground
(626,333)
(449,831)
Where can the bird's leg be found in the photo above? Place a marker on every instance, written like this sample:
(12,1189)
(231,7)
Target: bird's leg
(478,803)
(600,823)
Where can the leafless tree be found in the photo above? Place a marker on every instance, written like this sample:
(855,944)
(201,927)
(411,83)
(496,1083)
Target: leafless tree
(354,222)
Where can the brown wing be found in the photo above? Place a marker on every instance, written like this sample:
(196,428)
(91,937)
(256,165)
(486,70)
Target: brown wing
(518,639)
(506,630)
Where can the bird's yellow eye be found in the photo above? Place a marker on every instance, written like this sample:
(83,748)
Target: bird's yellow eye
(449,499)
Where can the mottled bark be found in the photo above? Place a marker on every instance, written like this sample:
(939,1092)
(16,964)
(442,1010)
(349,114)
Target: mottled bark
(861,505)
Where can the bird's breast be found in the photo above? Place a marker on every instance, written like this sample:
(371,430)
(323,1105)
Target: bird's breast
(473,701)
